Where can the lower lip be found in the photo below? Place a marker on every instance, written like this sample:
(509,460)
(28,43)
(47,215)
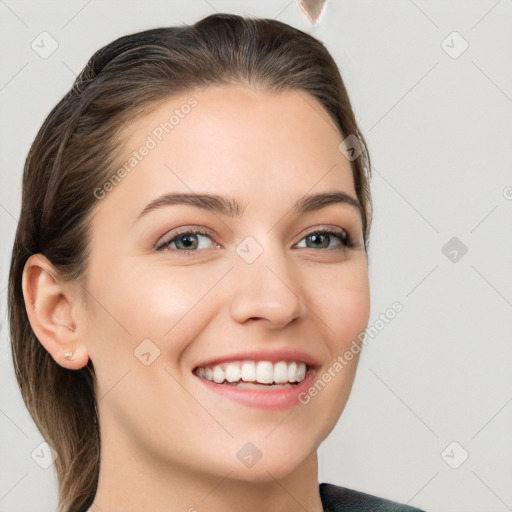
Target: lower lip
(273,399)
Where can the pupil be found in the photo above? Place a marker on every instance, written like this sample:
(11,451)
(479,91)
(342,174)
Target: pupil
(316,238)
(190,240)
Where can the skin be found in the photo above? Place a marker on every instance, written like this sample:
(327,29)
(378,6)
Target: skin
(168,443)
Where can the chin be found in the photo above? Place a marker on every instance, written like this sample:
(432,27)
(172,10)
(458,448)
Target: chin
(263,473)
(272,463)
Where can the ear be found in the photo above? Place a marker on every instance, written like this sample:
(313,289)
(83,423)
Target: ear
(52,307)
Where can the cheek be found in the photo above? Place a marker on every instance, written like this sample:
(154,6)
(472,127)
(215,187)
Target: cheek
(349,310)
(344,309)
(137,303)
(139,300)
(341,295)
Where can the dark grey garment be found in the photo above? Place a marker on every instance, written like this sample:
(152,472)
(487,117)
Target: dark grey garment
(340,499)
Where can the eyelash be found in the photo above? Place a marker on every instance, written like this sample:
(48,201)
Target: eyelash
(341,234)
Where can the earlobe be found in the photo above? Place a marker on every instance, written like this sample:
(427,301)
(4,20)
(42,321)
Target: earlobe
(52,308)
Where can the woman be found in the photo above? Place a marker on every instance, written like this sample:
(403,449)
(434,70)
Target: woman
(190,264)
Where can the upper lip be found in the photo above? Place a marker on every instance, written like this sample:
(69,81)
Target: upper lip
(274,356)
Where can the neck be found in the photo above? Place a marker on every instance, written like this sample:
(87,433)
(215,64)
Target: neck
(131,481)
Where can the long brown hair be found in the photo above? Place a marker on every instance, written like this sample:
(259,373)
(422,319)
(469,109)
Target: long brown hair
(75,152)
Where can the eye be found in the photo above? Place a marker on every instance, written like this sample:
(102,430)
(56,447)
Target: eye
(188,240)
(326,238)
(191,240)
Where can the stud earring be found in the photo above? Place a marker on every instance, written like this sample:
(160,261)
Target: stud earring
(70,356)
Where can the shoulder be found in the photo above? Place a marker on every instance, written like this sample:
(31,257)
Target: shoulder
(340,499)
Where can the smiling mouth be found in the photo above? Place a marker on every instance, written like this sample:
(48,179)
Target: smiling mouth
(255,374)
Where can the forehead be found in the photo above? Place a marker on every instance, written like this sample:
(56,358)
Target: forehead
(258,146)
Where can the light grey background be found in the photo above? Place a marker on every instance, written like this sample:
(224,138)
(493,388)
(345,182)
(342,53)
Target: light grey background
(439,131)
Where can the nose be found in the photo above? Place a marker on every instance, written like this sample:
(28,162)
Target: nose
(266,290)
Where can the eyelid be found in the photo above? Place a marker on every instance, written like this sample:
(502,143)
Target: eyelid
(346,240)
(323,228)
(174,233)
(337,231)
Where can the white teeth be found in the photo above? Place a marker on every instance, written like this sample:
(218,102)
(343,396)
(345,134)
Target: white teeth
(233,373)
(262,372)
(280,373)
(301,372)
(218,374)
(292,372)
(249,371)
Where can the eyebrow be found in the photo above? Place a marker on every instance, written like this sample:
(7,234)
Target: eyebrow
(226,206)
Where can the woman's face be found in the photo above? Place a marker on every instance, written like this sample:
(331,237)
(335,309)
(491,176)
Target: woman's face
(254,285)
